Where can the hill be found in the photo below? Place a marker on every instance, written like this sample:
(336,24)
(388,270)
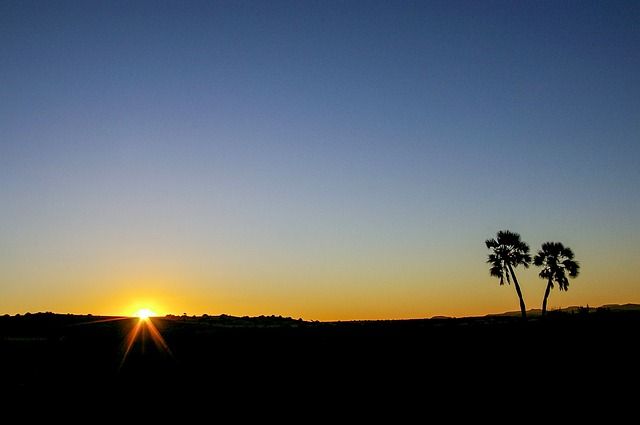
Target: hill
(573,310)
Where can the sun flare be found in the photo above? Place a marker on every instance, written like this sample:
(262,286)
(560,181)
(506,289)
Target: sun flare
(145,313)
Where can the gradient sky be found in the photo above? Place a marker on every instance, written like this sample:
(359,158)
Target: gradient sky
(324,160)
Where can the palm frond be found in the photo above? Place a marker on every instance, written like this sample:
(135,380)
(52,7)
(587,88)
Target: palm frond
(567,253)
(491,243)
(572,266)
(507,250)
(556,260)
(496,271)
(538,260)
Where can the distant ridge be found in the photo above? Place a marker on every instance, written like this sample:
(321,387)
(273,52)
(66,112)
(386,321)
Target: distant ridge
(622,307)
(226,320)
(573,309)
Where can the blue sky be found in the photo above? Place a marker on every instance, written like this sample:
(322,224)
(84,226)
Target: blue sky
(262,155)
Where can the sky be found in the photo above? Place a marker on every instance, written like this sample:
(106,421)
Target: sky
(330,160)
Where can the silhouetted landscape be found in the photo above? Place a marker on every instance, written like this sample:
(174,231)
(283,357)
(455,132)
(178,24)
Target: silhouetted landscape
(578,345)
(333,160)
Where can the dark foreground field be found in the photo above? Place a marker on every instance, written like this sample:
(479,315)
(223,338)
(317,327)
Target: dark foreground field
(256,357)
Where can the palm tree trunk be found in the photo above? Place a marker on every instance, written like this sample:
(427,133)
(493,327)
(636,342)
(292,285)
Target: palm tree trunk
(546,295)
(523,309)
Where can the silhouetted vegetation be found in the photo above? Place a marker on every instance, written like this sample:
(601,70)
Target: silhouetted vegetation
(557,265)
(508,251)
(234,354)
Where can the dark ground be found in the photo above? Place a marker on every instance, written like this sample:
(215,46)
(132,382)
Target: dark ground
(272,357)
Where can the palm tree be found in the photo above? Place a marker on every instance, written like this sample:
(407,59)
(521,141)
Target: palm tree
(507,253)
(556,261)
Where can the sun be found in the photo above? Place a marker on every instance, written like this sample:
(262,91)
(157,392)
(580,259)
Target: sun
(145,313)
